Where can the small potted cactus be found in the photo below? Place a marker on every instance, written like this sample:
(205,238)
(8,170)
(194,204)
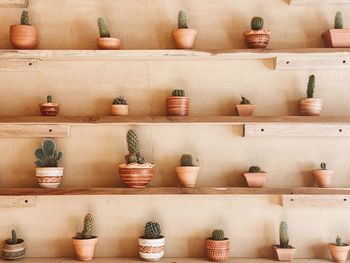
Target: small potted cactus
(184,37)
(257,37)
(245,108)
(255,177)
(323,176)
(13,248)
(178,104)
(284,251)
(152,243)
(135,173)
(339,250)
(217,246)
(187,173)
(48,174)
(49,108)
(119,107)
(337,37)
(105,41)
(310,106)
(84,242)
(24,36)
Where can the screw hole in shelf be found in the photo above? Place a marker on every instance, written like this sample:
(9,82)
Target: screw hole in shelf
(340,130)
(30,63)
(26,201)
(345,199)
(287,62)
(291,199)
(50,130)
(344,61)
(262,130)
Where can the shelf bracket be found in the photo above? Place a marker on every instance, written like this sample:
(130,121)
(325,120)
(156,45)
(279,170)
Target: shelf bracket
(316,200)
(14,3)
(34,130)
(17,201)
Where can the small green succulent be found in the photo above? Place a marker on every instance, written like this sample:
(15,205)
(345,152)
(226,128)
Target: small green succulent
(244,101)
(119,101)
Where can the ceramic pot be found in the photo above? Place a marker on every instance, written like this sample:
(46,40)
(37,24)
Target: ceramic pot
(257,38)
(310,107)
(336,38)
(136,175)
(49,109)
(245,109)
(85,248)
(255,180)
(13,251)
(49,177)
(285,254)
(109,43)
(119,110)
(23,36)
(217,250)
(339,253)
(151,249)
(184,38)
(323,177)
(187,175)
(178,106)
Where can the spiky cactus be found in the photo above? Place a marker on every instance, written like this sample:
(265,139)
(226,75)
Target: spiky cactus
(218,234)
(311,87)
(178,93)
(88,228)
(25,18)
(323,166)
(338,20)
(339,242)
(254,169)
(284,239)
(119,101)
(244,100)
(257,23)
(103,28)
(49,99)
(47,155)
(13,240)
(182,20)
(152,230)
(186,160)
(134,155)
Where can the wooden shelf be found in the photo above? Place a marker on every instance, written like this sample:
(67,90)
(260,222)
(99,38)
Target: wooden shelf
(318,2)
(14,3)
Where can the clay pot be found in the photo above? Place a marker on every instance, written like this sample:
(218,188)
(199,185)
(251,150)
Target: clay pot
(187,175)
(255,180)
(23,36)
(339,253)
(49,177)
(323,177)
(217,250)
(109,43)
(245,109)
(151,249)
(336,38)
(184,38)
(136,175)
(285,254)
(49,109)
(257,38)
(178,106)
(119,110)
(310,107)
(13,251)
(85,248)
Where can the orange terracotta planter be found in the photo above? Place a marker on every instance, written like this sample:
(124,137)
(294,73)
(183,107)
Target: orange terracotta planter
(49,109)
(323,177)
(23,36)
(108,43)
(178,106)
(217,250)
(339,253)
(187,175)
(85,248)
(284,254)
(257,38)
(136,175)
(184,38)
(255,180)
(310,107)
(245,109)
(336,38)
(119,110)
(13,251)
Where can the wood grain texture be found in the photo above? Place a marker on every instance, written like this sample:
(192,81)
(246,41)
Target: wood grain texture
(34,130)
(14,3)
(316,201)
(17,201)
(315,61)
(26,64)
(318,2)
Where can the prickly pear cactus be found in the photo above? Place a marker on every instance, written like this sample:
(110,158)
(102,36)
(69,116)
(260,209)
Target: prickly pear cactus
(186,160)
(103,28)
(152,230)
(323,166)
(254,169)
(311,87)
(178,93)
(25,18)
(244,101)
(134,155)
(47,155)
(182,20)
(88,228)
(257,23)
(218,234)
(284,239)
(338,20)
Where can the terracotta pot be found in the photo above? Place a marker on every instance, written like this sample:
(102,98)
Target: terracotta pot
(255,180)
(109,43)
(245,109)
(310,107)
(151,249)
(217,250)
(85,248)
(285,254)
(23,36)
(187,175)
(15,251)
(49,177)
(120,110)
(257,38)
(336,38)
(339,253)
(184,38)
(323,177)
(136,175)
(49,109)
(178,106)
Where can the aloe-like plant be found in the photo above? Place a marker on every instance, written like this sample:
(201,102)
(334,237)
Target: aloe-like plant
(47,155)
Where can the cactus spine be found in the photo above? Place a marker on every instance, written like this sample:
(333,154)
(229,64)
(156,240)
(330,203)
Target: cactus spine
(186,160)
(244,101)
(49,99)
(103,28)
(152,230)
(218,234)
(182,20)
(257,23)
(88,228)
(25,18)
(254,169)
(134,155)
(13,239)
(178,93)
(47,155)
(284,239)
(323,166)
(338,20)
(311,87)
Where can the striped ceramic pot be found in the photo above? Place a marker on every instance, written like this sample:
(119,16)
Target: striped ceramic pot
(257,38)
(217,250)
(136,176)
(151,249)
(13,251)
(49,177)
(310,107)
(177,106)
(49,109)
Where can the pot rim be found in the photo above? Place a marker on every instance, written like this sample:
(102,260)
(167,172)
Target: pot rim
(192,30)
(258,32)
(80,239)
(225,240)
(19,25)
(246,105)
(289,248)
(49,168)
(119,105)
(49,104)
(109,38)
(177,97)
(135,166)
(143,238)
(335,246)
(21,241)
(302,99)
(255,173)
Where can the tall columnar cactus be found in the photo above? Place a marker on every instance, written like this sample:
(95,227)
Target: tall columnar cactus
(284,239)
(257,23)
(152,230)
(103,28)
(25,18)
(178,93)
(254,169)
(88,228)
(311,87)
(13,240)
(218,234)
(182,20)
(244,100)
(323,166)
(134,155)
(338,20)
(186,160)
(49,99)
(47,155)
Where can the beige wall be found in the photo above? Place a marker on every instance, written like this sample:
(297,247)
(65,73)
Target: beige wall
(91,153)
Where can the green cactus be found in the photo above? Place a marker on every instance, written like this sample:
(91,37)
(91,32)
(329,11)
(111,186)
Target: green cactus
(244,100)
(338,20)
(254,169)
(152,230)
(178,93)
(47,156)
(119,101)
(134,155)
(25,18)
(186,160)
(284,239)
(218,234)
(311,87)
(182,20)
(49,99)
(323,166)
(257,23)
(13,240)
(103,28)
(339,242)
(88,228)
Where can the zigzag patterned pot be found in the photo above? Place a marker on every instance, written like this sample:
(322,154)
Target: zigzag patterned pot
(15,251)
(151,249)
(217,250)
(49,177)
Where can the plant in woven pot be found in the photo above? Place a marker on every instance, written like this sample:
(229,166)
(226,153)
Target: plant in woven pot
(245,108)
(49,108)
(184,37)
(105,41)
(178,104)
(24,35)
(217,246)
(255,177)
(187,173)
(152,243)
(135,173)
(84,242)
(339,250)
(48,174)
(337,37)
(119,107)
(13,248)
(323,176)
(310,106)
(284,251)
(257,37)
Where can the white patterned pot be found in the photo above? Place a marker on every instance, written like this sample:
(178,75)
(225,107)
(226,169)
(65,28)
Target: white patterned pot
(13,251)
(151,249)
(49,177)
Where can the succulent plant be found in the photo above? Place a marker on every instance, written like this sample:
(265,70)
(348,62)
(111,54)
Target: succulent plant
(310,87)
(49,99)
(25,18)
(178,93)
(119,101)
(244,100)
(323,166)
(284,238)
(182,20)
(339,242)
(152,230)
(218,234)
(338,20)
(102,27)
(134,155)
(13,240)
(47,156)
(257,23)
(186,160)
(254,169)
(88,228)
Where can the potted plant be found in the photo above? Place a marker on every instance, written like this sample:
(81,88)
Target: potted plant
(217,246)
(184,37)
(245,108)
(178,104)
(119,107)
(151,244)
(255,177)
(337,37)
(49,108)
(13,248)
(105,41)
(339,250)
(48,174)
(284,251)
(135,173)
(24,36)
(257,37)
(310,106)
(323,176)
(84,242)
(187,173)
